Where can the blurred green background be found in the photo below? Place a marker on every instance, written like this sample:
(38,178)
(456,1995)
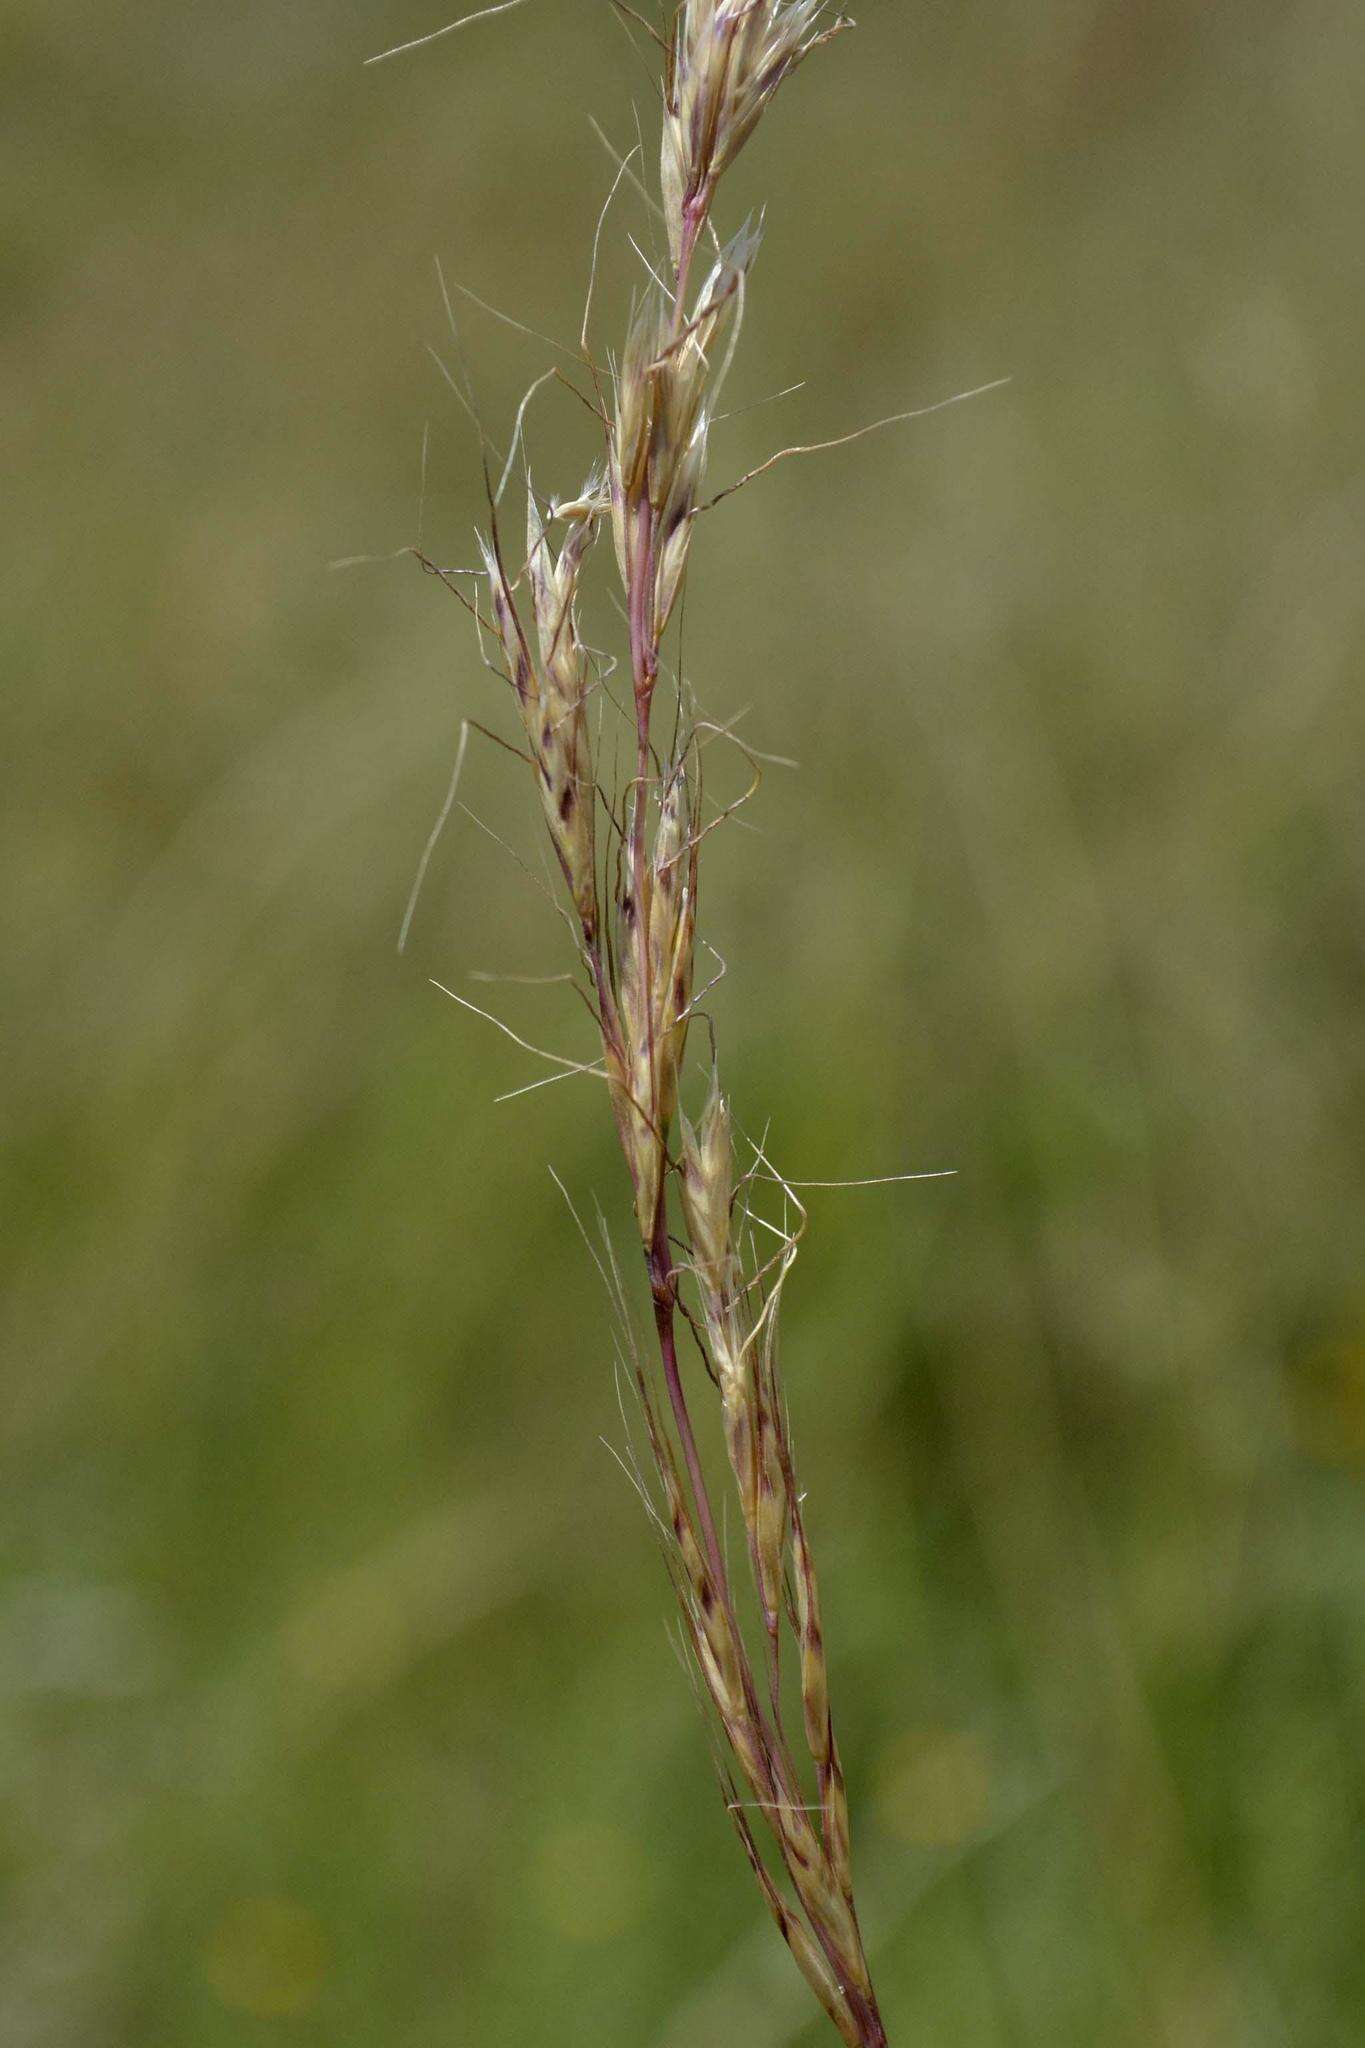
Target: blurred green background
(336,1705)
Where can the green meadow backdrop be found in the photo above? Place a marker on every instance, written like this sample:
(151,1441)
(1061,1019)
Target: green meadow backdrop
(337,1705)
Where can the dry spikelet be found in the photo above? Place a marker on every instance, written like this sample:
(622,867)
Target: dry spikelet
(557,724)
(707,1185)
(656,935)
(726,60)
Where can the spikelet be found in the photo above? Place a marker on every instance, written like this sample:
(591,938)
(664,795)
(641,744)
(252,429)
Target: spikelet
(709,1623)
(815,1709)
(561,740)
(551,680)
(771,1505)
(667,389)
(811,1960)
(726,59)
(656,940)
(633,435)
(707,1184)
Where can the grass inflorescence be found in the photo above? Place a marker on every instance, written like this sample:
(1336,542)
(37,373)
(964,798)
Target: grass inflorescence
(630,861)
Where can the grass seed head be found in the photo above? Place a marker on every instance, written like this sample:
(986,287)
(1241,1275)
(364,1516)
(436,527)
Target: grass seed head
(725,61)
